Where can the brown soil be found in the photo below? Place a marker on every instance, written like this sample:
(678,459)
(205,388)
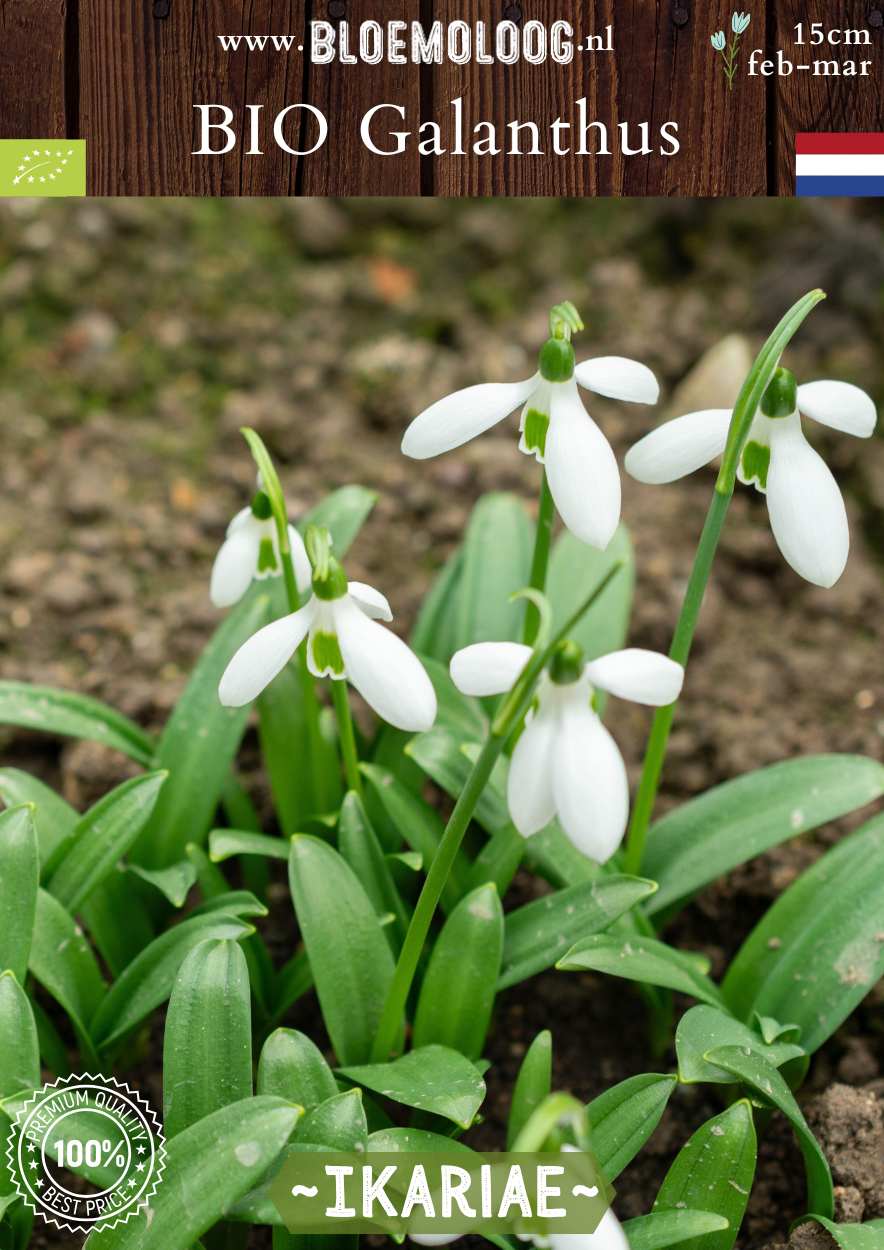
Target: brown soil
(138,337)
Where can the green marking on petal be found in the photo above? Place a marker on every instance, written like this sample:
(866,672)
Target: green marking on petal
(267,562)
(534,433)
(756,462)
(326,653)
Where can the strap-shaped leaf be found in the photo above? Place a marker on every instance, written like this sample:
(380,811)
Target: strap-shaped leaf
(148,980)
(199,743)
(72,715)
(624,1117)
(643,959)
(19,878)
(101,838)
(457,994)
(574,569)
(225,843)
(714,1172)
(671,1228)
(339,1123)
(53,816)
(496,563)
(869,1236)
(434,1078)
(533,1085)
(435,630)
(708,836)
(349,955)
(359,845)
(542,931)
(756,1072)
(19,1048)
(704,1028)
(209,1168)
(291,1066)
(62,961)
(174,882)
(818,951)
(207,1046)
(343,513)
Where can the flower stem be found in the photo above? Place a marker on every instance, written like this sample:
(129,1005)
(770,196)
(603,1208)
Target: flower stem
(540,559)
(308,687)
(347,738)
(751,393)
(512,710)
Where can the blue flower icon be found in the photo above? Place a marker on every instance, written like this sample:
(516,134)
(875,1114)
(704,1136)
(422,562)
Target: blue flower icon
(739,25)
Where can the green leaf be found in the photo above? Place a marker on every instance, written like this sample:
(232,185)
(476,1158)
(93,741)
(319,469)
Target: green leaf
(706,1028)
(433,1078)
(732,823)
(434,633)
(293,980)
(225,843)
(53,816)
(499,859)
(359,845)
(349,955)
(19,878)
(62,961)
(342,513)
(574,569)
(207,1046)
(148,980)
(199,743)
(102,837)
(756,1072)
(540,932)
(72,715)
(496,563)
(413,1141)
(19,1049)
(209,1168)
(441,757)
(533,1085)
(645,960)
(714,1172)
(457,994)
(670,1228)
(174,882)
(293,1067)
(818,951)
(623,1118)
(120,895)
(869,1236)
(337,1124)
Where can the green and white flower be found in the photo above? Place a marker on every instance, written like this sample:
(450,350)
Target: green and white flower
(251,550)
(807,513)
(566,764)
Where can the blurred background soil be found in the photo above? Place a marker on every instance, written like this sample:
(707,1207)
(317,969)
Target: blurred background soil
(138,336)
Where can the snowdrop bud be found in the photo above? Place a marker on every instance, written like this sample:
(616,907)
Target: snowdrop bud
(567,664)
(781,397)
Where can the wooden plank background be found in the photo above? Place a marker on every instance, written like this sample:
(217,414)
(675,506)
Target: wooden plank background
(125,74)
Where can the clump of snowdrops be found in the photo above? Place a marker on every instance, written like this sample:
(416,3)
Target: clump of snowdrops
(154,897)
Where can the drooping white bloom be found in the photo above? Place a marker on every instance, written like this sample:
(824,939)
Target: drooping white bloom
(718,41)
(806,510)
(344,641)
(566,763)
(740,22)
(555,428)
(609,1235)
(251,550)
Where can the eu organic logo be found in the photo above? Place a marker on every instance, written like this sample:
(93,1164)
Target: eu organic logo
(43,167)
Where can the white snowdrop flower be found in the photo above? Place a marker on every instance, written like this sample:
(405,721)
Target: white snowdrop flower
(555,427)
(806,510)
(718,41)
(609,1235)
(344,641)
(566,763)
(251,550)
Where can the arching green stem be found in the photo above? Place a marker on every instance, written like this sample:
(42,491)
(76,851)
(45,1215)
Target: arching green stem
(540,559)
(347,737)
(748,401)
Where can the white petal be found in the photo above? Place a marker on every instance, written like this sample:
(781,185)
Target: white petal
(608,1236)
(807,513)
(679,447)
(372,602)
(433,1239)
(582,470)
(387,674)
(642,676)
(244,515)
(235,566)
(529,785)
(839,405)
(488,668)
(301,561)
(459,417)
(264,656)
(589,783)
(619,378)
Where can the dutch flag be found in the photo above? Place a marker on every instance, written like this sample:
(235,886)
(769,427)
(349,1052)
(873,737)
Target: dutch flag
(839,164)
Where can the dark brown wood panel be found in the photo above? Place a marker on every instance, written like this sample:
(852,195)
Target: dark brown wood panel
(345,93)
(809,101)
(32,70)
